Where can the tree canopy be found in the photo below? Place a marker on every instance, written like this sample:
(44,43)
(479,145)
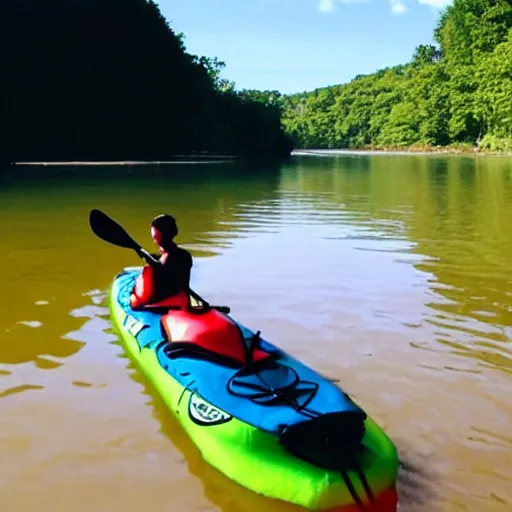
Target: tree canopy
(456,92)
(109,79)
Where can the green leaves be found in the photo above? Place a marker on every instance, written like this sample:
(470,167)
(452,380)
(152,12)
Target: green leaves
(494,93)
(455,93)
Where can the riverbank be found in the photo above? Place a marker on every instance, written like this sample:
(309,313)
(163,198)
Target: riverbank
(118,163)
(180,158)
(413,150)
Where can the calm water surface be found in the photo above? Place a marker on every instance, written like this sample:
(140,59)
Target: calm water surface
(391,274)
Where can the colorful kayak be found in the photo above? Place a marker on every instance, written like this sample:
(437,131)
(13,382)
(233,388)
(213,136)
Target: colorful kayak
(261,417)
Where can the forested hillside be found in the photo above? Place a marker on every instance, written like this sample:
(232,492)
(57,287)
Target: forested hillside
(109,79)
(458,92)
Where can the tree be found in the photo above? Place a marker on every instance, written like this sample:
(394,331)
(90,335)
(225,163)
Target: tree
(110,79)
(456,92)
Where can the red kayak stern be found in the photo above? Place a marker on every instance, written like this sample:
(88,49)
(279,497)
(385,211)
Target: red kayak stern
(387,501)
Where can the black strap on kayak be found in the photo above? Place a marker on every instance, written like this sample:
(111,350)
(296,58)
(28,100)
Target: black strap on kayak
(352,490)
(364,481)
(252,343)
(191,350)
(350,486)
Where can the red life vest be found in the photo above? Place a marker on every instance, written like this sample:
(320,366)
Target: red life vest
(143,290)
(167,279)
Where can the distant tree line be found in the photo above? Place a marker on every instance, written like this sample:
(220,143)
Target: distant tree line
(458,92)
(109,79)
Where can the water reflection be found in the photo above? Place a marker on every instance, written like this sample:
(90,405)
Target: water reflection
(453,210)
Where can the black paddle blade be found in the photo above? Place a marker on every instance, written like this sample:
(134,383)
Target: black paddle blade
(109,230)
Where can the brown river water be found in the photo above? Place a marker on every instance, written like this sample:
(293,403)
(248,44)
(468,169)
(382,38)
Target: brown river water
(392,274)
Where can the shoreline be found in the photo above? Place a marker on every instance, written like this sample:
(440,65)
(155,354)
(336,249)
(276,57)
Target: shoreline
(117,163)
(194,159)
(412,151)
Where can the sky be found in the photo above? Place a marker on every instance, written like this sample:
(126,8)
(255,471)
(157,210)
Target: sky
(300,45)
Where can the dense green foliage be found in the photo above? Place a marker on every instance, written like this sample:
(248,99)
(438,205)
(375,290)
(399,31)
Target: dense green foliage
(458,92)
(109,79)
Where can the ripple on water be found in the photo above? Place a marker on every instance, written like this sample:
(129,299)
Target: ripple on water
(19,389)
(34,324)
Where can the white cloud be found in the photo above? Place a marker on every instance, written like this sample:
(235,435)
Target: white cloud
(440,4)
(326,6)
(330,5)
(398,7)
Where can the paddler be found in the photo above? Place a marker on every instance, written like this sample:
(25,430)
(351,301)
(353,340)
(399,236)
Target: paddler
(167,274)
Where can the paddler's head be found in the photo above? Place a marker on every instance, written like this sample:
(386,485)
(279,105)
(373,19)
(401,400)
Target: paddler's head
(163,231)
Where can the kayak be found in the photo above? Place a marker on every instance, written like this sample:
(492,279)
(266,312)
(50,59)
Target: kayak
(259,416)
